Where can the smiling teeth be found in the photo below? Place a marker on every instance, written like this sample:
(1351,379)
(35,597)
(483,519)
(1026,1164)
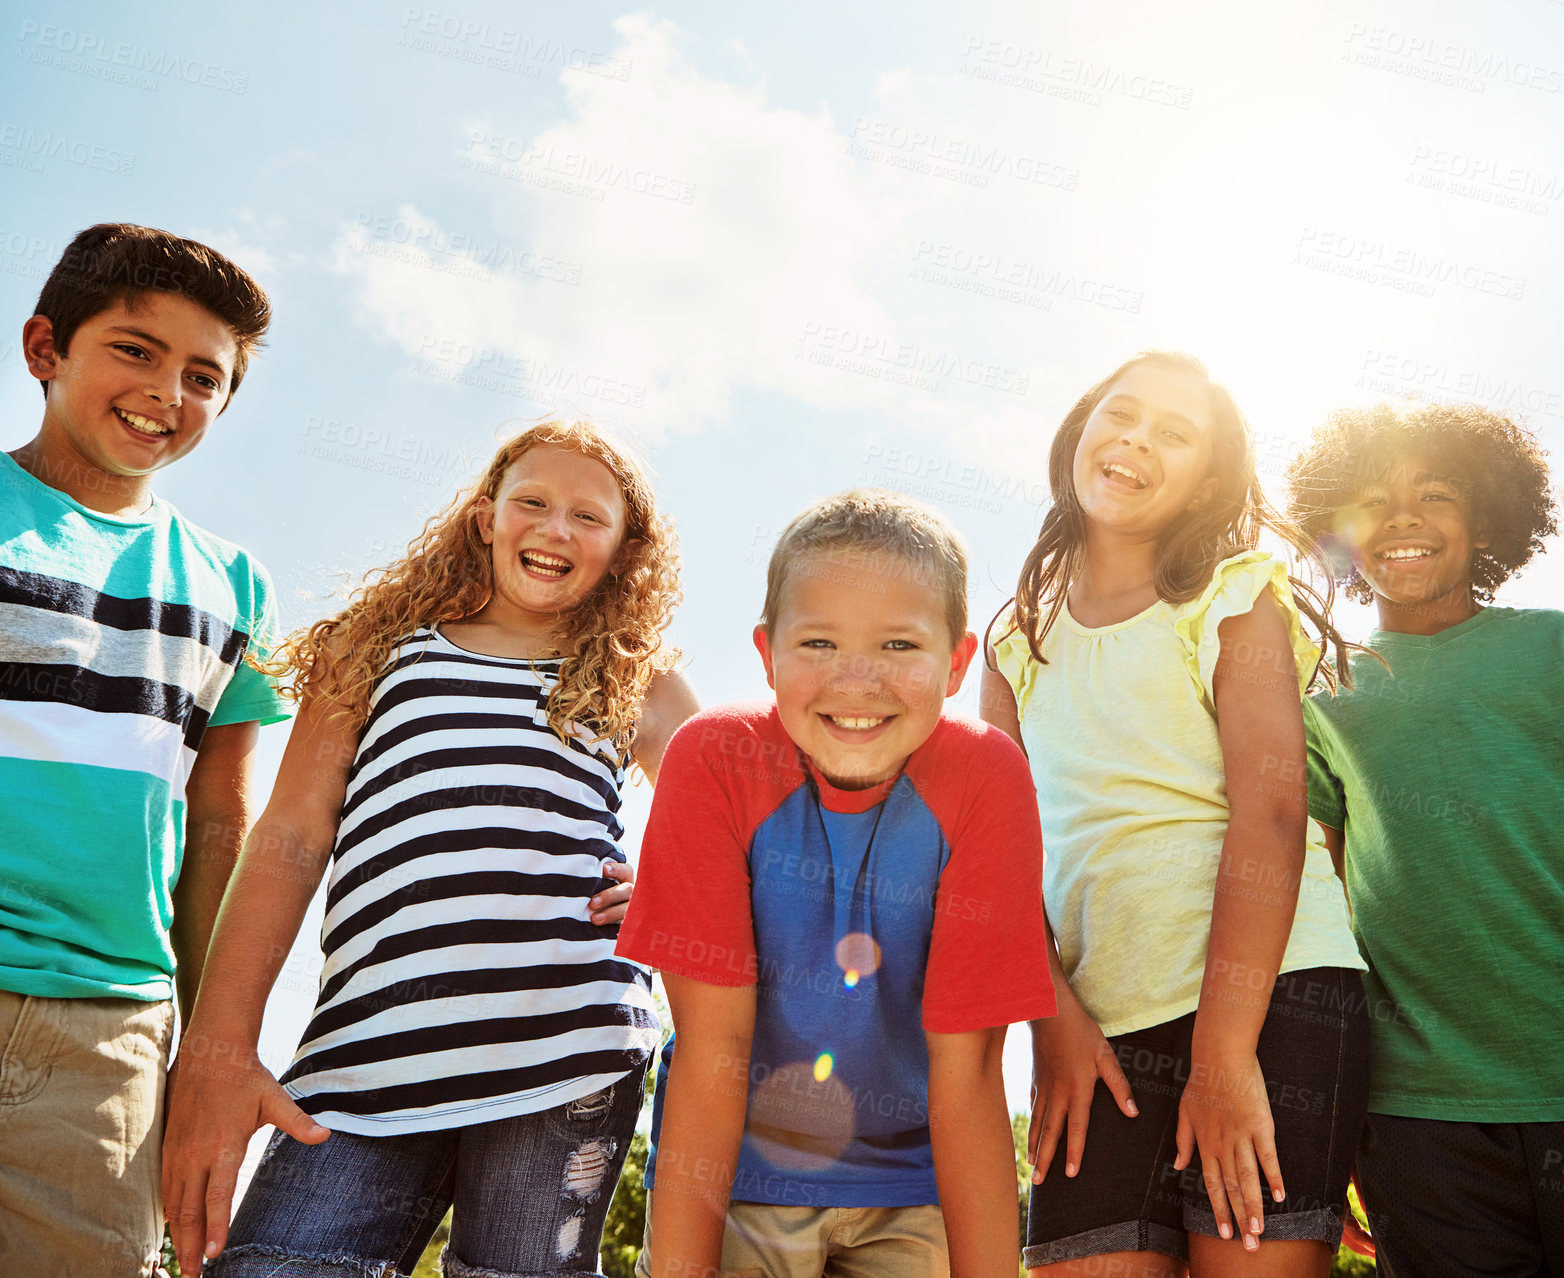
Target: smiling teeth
(1405,554)
(147,427)
(1113,468)
(843,721)
(546,563)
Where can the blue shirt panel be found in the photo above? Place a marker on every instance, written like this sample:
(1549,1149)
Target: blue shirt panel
(843,910)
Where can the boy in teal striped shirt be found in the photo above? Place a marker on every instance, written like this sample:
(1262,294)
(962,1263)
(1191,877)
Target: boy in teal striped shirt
(128,720)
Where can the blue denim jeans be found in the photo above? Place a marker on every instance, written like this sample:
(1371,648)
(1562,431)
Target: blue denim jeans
(529,1195)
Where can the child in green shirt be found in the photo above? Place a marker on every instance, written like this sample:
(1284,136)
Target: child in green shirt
(1439,779)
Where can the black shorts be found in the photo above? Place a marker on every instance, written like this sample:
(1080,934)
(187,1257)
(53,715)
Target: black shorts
(1126,1195)
(1448,1198)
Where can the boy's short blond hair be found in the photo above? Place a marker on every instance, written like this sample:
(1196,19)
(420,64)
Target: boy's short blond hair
(867,522)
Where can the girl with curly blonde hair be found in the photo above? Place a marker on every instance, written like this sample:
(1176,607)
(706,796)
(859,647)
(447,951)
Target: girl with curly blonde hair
(466,726)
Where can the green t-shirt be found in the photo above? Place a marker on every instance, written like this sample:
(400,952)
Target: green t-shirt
(1446,774)
(121,642)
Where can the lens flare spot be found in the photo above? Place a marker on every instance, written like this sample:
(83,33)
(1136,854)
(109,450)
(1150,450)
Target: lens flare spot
(823,1064)
(858,955)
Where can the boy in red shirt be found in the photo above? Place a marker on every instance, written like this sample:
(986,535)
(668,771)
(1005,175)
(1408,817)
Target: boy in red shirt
(826,886)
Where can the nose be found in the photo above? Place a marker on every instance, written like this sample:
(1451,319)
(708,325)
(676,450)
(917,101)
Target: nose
(1401,513)
(163,388)
(1135,435)
(856,672)
(557,523)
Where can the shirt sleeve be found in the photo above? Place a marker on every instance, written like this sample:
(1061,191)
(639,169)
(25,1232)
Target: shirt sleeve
(1236,585)
(253,697)
(988,964)
(690,914)
(1327,797)
(1014,661)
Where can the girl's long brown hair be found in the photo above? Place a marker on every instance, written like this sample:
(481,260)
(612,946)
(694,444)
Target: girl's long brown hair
(1191,548)
(611,642)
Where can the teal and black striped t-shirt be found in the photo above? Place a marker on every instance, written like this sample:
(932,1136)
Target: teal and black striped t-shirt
(121,642)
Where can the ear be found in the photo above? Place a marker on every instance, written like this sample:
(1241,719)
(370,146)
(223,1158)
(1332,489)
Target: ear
(763,647)
(1203,494)
(38,348)
(483,514)
(961,662)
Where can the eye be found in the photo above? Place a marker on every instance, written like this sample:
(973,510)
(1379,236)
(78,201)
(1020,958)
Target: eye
(1372,499)
(131,349)
(817,645)
(1176,436)
(1435,495)
(901,645)
(588,516)
(205,382)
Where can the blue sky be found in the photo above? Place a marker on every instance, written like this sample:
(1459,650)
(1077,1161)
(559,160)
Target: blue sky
(791,248)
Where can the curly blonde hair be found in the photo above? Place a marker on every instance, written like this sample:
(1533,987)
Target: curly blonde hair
(611,642)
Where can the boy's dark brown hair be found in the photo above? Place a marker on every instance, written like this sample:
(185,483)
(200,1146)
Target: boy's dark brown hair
(118,261)
(1497,464)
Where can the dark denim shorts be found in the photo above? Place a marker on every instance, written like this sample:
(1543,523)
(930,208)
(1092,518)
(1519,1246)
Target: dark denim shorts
(530,1196)
(1126,1195)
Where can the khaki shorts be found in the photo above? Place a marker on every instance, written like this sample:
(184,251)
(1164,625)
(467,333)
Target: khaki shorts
(81,1124)
(763,1240)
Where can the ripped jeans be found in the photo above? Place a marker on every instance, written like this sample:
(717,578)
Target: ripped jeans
(529,1195)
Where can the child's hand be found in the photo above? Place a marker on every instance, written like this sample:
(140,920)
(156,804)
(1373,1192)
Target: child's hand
(1069,1055)
(1226,1114)
(608,906)
(214,1107)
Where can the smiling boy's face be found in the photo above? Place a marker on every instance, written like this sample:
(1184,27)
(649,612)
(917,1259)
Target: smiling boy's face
(137,390)
(862,659)
(1413,534)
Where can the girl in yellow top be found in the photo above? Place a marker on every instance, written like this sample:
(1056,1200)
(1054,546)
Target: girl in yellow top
(1152,665)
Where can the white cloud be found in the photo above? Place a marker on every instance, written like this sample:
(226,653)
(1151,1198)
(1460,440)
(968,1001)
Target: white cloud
(713,234)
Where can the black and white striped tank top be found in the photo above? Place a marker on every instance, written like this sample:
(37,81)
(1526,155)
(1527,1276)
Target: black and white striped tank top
(464,981)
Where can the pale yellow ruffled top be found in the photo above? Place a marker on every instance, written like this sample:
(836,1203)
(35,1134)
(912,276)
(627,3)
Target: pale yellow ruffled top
(1120,728)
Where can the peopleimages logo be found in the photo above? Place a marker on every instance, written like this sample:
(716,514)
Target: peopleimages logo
(91,54)
(881,356)
(1398,266)
(501,48)
(960,160)
(1426,57)
(1074,79)
(38,146)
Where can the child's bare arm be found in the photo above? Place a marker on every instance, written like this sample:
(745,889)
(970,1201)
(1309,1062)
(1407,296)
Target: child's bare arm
(1225,1110)
(669,702)
(997,704)
(219,1093)
(703,1125)
(217,818)
(974,1156)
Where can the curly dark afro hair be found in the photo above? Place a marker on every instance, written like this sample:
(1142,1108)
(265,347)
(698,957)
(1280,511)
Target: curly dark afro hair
(1498,464)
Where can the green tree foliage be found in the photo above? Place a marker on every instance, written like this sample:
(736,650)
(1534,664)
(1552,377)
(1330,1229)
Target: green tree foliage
(626,1223)
(428,1265)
